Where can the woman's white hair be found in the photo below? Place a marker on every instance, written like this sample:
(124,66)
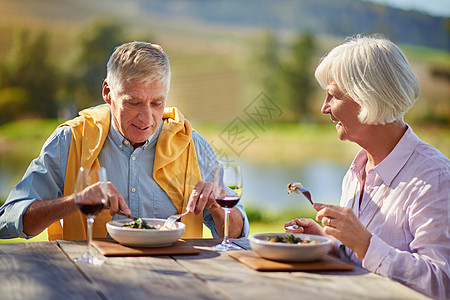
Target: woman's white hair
(140,61)
(374,72)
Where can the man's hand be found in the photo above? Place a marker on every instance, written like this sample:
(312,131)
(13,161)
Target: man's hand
(202,197)
(116,201)
(42,213)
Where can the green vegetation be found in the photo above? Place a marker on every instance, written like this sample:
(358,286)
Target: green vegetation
(52,63)
(286,71)
(42,237)
(261,221)
(283,142)
(24,139)
(427,55)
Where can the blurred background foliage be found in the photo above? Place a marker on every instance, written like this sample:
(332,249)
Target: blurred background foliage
(54,53)
(223,54)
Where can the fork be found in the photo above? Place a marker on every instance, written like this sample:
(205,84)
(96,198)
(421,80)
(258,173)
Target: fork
(173,218)
(296,187)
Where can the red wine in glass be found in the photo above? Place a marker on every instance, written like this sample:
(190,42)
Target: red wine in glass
(228,201)
(91,197)
(91,209)
(227,193)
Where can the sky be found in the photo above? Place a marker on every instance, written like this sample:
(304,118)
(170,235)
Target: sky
(432,7)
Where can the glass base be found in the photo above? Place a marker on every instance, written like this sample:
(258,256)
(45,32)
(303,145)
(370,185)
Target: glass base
(88,258)
(226,246)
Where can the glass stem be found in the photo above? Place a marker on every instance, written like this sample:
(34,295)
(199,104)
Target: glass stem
(90,222)
(226,228)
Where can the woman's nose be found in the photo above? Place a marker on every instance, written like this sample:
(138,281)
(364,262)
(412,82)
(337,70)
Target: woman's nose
(326,106)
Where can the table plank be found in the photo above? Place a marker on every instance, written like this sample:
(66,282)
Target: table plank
(234,280)
(41,271)
(46,271)
(145,277)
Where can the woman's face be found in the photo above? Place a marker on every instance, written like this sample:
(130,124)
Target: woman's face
(344,112)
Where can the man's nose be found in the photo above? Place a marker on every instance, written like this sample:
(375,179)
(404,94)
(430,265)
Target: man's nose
(145,114)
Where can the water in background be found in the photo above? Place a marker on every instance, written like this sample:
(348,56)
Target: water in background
(265,186)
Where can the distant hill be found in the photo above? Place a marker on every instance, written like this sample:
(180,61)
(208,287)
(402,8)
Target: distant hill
(331,17)
(338,18)
(209,42)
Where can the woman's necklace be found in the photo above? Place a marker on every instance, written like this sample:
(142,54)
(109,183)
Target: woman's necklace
(376,211)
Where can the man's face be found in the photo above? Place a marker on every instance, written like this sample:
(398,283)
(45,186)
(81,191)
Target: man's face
(137,109)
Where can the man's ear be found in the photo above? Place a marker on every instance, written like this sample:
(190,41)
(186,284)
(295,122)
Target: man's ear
(106,92)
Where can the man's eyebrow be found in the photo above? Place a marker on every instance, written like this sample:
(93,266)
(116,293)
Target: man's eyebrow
(129,98)
(160,98)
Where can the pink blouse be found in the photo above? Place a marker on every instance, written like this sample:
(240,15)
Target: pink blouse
(411,231)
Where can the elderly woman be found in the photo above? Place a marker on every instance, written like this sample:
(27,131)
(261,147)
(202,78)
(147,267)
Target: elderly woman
(394,217)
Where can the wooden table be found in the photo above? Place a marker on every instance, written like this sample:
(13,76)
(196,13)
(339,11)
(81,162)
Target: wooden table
(45,270)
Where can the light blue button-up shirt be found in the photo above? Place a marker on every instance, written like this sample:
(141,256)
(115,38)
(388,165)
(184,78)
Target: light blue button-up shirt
(129,169)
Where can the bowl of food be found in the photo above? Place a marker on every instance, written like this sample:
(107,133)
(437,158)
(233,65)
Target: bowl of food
(145,232)
(294,247)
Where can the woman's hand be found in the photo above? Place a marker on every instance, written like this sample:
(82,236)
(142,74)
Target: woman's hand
(342,223)
(307,226)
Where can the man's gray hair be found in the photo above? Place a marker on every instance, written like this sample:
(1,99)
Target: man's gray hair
(374,72)
(140,61)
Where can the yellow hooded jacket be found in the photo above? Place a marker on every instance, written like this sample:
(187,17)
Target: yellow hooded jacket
(175,168)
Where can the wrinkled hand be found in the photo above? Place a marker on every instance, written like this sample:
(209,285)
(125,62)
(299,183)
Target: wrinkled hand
(342,223)
(202,197)
(115,202)
(307,226)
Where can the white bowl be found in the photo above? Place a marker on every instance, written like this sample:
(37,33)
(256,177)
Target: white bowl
(145,237)
(290,252)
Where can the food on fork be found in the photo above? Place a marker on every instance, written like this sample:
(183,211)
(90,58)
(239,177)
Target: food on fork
(294,187)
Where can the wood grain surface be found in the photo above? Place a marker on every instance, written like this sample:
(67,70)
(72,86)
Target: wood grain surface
(46,270)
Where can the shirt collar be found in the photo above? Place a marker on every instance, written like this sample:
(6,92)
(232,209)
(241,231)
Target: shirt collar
(394,162)
(119,140)
(391,164)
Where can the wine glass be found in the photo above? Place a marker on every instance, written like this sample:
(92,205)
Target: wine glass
(227,192)
(91,197)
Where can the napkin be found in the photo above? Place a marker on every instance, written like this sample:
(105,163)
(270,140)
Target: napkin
(256,262)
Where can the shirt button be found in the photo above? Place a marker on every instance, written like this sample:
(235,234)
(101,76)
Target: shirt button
(120,146)
(126,142)
(133,190)
(133,158)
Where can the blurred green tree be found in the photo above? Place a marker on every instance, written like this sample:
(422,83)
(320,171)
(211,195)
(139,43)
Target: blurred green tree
(299,77)
(285,72)
(86,69)
(266,56)
(13,100)
(29,82)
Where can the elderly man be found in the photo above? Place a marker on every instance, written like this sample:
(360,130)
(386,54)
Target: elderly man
(156,164)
